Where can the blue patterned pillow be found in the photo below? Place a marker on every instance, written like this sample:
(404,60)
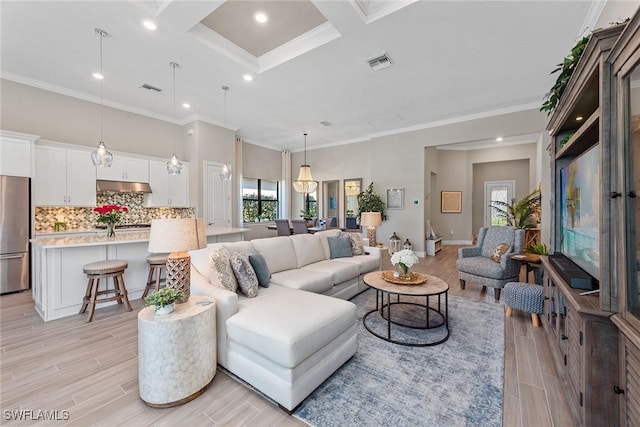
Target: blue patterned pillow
(247,280)
(339,247)
(262,270)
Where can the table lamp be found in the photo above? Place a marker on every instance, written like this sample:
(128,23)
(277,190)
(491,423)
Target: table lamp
(371,220)
(177,236)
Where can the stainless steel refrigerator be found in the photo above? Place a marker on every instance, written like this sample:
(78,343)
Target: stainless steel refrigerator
(15,214)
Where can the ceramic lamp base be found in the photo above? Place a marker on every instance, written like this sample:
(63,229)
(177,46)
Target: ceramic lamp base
(371,234)
(179,273)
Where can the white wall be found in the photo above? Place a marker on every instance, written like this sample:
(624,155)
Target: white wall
(62,118)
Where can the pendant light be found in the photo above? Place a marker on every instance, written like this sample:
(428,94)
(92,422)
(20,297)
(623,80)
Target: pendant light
(174,167)
(305,183)
(225,173)
(101,156)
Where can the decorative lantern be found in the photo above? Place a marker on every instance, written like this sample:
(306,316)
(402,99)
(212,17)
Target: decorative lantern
(394,244)
(407,245)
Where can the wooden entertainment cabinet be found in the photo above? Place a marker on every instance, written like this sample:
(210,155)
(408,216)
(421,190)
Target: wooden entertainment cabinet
(595,339)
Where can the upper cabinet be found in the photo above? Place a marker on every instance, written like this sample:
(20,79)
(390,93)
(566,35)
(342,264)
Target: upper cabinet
(167,190)
(16,153)
(124,168)
(63,177)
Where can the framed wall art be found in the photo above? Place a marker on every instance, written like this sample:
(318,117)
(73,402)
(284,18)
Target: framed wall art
(451,201)
(395,198)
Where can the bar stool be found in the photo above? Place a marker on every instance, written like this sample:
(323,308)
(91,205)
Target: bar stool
(103,270)
(156,263)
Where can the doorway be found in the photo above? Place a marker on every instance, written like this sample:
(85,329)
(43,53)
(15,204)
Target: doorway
(496,191)
(217,197)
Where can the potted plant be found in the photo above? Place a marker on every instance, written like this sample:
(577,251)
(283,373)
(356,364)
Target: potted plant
(519,214)
(163,301)
(369,201)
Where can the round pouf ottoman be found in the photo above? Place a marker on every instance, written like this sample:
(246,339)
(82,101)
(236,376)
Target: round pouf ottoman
(525,297)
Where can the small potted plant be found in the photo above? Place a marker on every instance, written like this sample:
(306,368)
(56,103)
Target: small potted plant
(163,301)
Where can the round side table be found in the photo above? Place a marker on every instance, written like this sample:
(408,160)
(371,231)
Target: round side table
(177,352)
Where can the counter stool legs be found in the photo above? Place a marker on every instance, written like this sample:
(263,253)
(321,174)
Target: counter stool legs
(156,263)
(103,270)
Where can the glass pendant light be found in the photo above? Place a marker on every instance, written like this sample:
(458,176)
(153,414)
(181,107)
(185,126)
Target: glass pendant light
(101,156)
(305,183)
(225,173)
(174,167)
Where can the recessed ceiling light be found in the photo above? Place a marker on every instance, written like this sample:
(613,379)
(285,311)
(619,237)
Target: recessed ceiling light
(248,77)
(98,76)
(579,118)
(186,105)
(499,139)
(149,25)
(260,17)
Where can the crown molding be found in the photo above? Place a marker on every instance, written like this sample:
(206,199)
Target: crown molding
(591,19)
(369,16)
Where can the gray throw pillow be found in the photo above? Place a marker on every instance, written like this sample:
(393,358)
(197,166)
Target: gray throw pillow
(259,265)
(339,247)
(221,272)
(247,280)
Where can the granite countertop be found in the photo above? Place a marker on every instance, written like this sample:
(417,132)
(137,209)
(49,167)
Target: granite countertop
(121,237)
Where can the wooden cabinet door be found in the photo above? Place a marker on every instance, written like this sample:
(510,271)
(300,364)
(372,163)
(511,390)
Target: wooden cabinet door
(49,178)
(630,385)
(574,356)
(159,183)
(81,179)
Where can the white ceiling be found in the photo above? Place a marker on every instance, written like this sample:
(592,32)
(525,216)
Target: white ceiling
(451,59)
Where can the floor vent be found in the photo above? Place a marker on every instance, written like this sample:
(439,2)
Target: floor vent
(149,87)
(380,63)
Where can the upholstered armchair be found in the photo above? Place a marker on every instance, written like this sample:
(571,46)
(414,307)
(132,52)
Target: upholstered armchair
(476,265)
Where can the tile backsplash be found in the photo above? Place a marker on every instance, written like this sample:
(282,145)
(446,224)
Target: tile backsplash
(81,218)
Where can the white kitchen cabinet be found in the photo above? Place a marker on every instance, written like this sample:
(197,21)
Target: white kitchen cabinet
(168,190)
(124,168)
(15,154)
(63,177)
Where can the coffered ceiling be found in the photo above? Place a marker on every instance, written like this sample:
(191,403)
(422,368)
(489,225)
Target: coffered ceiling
(450,59)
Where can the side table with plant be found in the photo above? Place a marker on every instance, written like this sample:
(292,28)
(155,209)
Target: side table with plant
(163,301)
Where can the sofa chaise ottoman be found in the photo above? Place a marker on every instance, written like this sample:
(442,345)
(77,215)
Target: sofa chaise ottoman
(291,337)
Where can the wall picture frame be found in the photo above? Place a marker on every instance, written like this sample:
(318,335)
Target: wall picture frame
(395,198)
(451,201)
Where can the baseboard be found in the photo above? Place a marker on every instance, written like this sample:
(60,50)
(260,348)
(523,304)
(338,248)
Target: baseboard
(457,242)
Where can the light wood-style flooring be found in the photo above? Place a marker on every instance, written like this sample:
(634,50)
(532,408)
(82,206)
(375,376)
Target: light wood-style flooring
(91,370)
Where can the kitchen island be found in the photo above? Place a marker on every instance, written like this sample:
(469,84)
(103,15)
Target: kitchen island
(58,282)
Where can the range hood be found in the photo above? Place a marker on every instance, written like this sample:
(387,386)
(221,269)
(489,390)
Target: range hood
(122,186)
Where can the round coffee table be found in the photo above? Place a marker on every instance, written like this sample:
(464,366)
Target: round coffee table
(437,317)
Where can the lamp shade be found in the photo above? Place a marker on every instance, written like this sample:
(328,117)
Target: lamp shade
(177,235)
(370,219)
(305,182)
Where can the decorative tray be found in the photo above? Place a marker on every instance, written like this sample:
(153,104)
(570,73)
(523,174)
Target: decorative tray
(416,278)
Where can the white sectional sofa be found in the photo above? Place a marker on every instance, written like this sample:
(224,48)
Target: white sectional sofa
(291,337)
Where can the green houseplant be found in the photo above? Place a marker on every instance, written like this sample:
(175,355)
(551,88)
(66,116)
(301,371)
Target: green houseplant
(538,248)
(369,201)
(163,301)
(519,214)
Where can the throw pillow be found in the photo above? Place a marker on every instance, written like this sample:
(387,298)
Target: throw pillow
(221,272)
(357,247)
(259,265)
(247,280)
(499,251)
(339,247)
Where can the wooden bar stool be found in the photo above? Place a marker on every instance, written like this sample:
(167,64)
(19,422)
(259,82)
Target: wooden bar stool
(156,263)
(103,270)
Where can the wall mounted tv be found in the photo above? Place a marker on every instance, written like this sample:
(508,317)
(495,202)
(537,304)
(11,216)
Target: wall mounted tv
(580,211)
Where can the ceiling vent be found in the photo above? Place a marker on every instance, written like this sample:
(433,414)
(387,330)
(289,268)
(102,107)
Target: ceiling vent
(380,63)
(149,87)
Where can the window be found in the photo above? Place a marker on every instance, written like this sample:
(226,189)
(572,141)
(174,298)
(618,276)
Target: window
(259,200)
(310,205)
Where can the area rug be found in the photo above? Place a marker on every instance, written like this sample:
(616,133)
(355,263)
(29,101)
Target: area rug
(456,383)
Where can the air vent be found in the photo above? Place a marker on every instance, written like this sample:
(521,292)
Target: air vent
(380,63)
(149,87)
(325,123)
